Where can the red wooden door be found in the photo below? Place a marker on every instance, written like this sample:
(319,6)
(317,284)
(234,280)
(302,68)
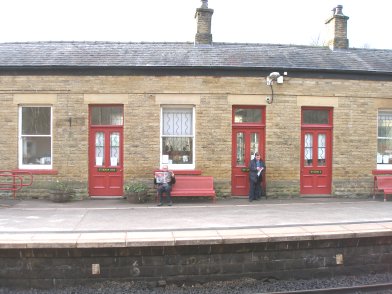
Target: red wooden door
(106,151)
(246,141)
(316,162)
(316,151)
(106,164)
(248,136)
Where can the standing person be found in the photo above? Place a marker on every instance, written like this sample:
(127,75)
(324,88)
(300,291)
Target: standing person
(164,185)
(256,169)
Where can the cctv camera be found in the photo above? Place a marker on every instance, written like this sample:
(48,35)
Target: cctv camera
(268,99)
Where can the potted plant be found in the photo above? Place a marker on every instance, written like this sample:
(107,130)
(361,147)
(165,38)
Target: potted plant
(136,192)
(61,191)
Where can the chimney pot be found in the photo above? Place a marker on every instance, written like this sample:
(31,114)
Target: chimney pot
(203,17)
(338,10)
(337,27)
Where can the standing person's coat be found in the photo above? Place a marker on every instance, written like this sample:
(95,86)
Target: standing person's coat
(255,177)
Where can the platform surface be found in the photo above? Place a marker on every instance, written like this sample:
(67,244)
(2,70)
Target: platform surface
(115,222)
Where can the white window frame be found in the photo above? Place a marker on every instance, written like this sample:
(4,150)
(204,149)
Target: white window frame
(179,166)
(20,147)
(382,166)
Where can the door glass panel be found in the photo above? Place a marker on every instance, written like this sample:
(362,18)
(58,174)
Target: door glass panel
(106,115)
(254,144)
(314,116)
(247,115)
(321,149)
(114,149)
(240,149)
(99,148)
(308,152)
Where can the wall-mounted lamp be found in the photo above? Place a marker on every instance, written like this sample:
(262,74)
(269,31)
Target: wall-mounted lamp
(274,77)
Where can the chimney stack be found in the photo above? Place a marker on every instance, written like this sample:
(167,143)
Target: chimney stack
(203,17)
(337,29)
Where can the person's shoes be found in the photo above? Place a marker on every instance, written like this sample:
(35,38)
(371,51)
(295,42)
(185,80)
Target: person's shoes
(250,200)
(170,203)
(160,204)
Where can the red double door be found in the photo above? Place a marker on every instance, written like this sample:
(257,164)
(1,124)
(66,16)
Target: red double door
(316,161)
(106,150)
(106,161)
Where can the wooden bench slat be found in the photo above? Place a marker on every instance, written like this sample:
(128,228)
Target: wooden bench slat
(192,193)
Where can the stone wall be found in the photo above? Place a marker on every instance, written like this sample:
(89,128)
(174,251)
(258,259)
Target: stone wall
(306,259)
(355,104)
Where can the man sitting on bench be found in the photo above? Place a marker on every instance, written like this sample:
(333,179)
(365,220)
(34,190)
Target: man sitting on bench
(164,180)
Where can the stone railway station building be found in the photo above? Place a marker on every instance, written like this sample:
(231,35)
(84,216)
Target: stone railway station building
(101,114)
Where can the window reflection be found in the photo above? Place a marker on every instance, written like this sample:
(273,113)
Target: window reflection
(107,115)
(321,149)
(314,116)
(99,149)
(114,149)
(36,120)
(36,150)
(254,144)
(308,151)
(177,135)
(240,149)
(384,140)
(36,137)
(247,115)
(178,149)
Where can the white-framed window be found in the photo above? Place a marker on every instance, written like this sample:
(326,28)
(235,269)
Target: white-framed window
(177,137)
(35,137)
(384,139)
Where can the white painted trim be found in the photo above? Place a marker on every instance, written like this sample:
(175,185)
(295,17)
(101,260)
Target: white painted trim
(20,142)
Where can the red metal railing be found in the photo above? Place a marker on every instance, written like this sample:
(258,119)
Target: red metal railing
(15,180)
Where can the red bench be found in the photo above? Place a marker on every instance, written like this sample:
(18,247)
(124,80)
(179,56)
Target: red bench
(193,186)
(384,184)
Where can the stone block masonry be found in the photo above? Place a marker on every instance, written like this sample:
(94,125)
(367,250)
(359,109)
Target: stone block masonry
(290,259)
(355,108)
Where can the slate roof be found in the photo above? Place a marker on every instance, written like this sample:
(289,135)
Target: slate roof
(187,55)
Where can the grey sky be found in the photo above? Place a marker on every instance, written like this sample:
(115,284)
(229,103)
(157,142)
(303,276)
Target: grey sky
(238,21)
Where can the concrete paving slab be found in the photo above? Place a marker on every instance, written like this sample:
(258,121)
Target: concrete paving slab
(236,236)
(286,233)
(150,239)
(54,240)
(196,237)
(99,240)
(115,222)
